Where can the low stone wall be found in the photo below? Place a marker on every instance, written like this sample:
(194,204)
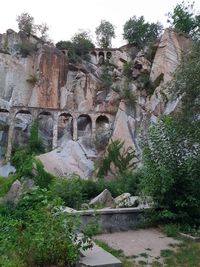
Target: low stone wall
(113,220)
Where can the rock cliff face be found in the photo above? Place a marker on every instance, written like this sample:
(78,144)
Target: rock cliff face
(93,97)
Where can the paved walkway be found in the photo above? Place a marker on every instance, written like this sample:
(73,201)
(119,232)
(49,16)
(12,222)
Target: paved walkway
(142,244)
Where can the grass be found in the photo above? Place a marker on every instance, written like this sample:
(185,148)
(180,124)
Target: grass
(5,183)
(187,254)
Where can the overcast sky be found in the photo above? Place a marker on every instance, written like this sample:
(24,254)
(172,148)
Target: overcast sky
(66,17)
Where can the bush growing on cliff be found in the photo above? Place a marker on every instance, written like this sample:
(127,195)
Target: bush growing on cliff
(80,45)
(184,20)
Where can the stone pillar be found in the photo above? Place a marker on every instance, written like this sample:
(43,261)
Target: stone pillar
(75,128)
(55,131)
(93,127)
(10,137)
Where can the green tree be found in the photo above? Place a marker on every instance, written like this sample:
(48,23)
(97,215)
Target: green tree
(183,19)
(26,24)
(136,30)
(104,33)
(171,171)
(82,43)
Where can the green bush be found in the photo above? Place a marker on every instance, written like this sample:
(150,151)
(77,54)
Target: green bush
(128,69)
(5,183)
(25,48)
(42,238)
(69,190)
(121,158)
(171,162)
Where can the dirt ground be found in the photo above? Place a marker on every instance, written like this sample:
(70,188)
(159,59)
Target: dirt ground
(142,245)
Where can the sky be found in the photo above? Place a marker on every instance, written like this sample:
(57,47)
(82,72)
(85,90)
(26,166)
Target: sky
(67,17)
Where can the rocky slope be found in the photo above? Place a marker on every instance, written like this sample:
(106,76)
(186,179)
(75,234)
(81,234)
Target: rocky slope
(46,79)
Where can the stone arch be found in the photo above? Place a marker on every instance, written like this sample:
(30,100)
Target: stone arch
(84,125)
(108,55)
(22,126)
(103,131)
(101,57)
(45,129)
(4,127)
(65,126)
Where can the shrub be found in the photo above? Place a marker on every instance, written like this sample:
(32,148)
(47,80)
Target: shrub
(121,158)
(171,161)
(32,79)
(5,183)
(128,69)
(25,48)
(42,238)
(141,32)
(35,143)
(69,190)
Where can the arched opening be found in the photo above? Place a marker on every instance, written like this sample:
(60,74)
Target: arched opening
(101,58)
(22,126)
(84,126)
(4,126)
(103,131)
(93,57)
(108,55)
(45,129)
(65,127)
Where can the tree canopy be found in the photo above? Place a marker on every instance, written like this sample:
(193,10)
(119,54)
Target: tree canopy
(26,24)
(136,30)
(183,19)
(105,32)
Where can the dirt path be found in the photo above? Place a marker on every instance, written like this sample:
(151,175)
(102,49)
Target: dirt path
(142,244)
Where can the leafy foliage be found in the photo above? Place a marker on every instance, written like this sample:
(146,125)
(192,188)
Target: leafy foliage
(105,32)
(171,160)
(32,234)
(106,76)
(116,155)
(183,19)
(26,24)
(128,69)
(25,48)
(136,30)
(186,84)
(35,144)
(80,45)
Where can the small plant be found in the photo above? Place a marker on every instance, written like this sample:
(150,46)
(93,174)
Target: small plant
(106,76)
(32,79)
(25,48)
(128,70)
(171,230)
(120,158)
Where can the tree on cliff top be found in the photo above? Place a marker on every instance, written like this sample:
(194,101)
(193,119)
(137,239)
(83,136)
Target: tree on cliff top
(105,32)
(136,30)
(183,19)
(26,24)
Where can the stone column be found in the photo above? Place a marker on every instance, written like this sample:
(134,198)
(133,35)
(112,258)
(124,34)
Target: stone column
(55,131)
(93,127)
(75,128)
(10,137)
